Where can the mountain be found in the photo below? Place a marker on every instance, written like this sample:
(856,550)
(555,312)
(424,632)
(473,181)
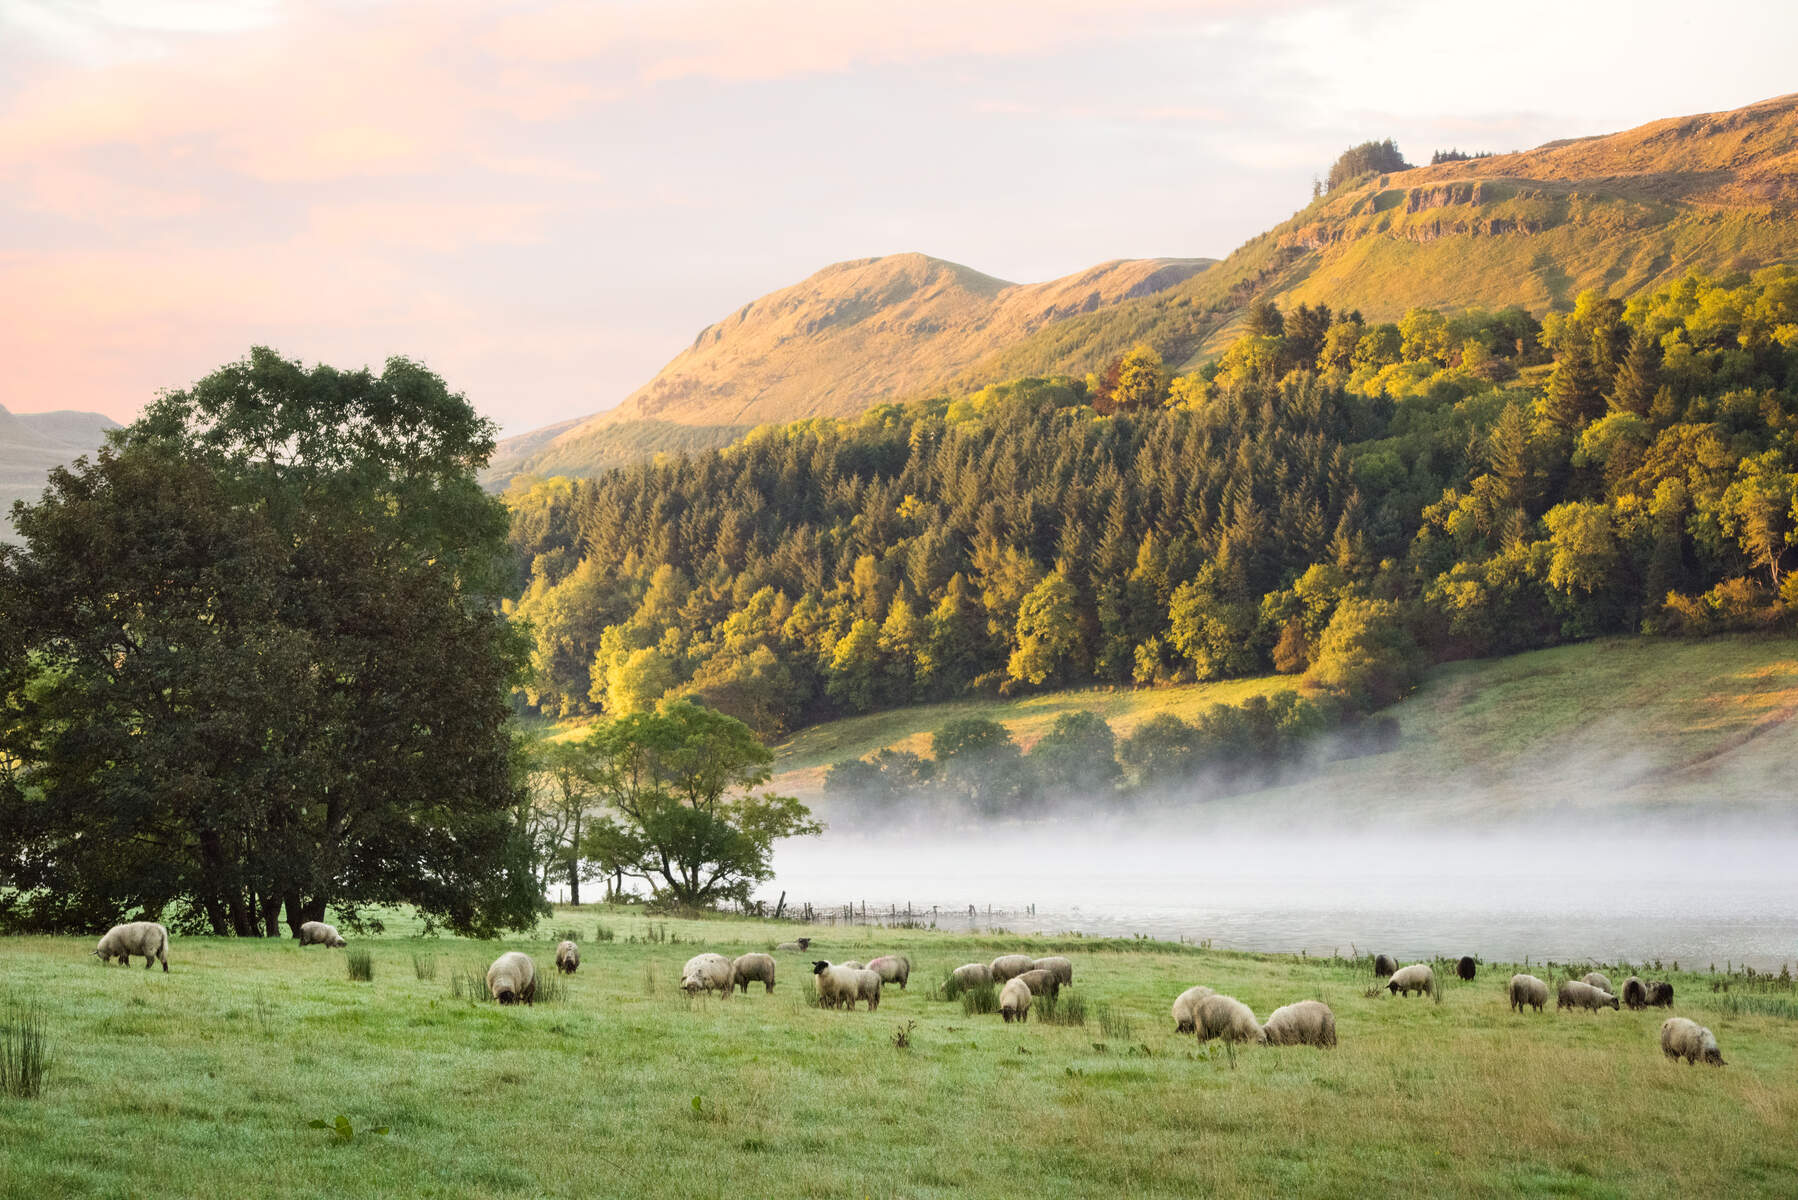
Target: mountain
(846,338)
(32,443)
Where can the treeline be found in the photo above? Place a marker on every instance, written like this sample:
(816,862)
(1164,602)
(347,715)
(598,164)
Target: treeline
(1436,487)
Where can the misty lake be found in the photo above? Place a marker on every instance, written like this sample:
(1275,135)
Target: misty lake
(1561,894)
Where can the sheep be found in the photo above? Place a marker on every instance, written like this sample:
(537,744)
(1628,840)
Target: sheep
(707,973)
(1384,965)
(1635,993)
(753,968)
(1527,989)
(1465,968)
(139,937)
(513,978)
(1415,978)
(1009,966)
(971,975)
(1186,1009)
(1014,1000)
(1660,994)
(799,945)
(1307,1023)
(1574,993)
(1228,1018)
(1041,983)
(1598,980)
(1689,1040)
(840,985)
(568,957)
(1061,968)
(317,933)
(853,965)
(892,968)
(867,987)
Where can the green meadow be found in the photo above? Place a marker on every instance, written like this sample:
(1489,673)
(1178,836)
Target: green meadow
(204,1081)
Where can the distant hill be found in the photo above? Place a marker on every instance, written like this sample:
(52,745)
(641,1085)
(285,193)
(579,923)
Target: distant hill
(846,338)
(32,443)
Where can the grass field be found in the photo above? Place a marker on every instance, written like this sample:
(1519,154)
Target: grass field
(202,1082)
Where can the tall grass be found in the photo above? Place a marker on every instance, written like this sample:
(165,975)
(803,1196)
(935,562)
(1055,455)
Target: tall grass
(424,966)
(565,935)
(1737,1004)
(24,1051)
(361,964)
(980,999)
(604,933)
(552,988)
(469,982)
(1114,1024)
(1067,1008)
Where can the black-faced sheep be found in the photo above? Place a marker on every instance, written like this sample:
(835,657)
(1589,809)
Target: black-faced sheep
(1061,968)
(1415,978)
(1466,968)
(892,968)
(798,944)
(1574,993)
(512,979)
(568,957)
(1186,1009)
(1689,1040)
(1307,1023)
(1384,965)
(707,973)
(1660,994)
(1041,982)
(972,975)
(1600,981)
(841,985)
(1635,993)
(1228,1018)
(1014,1000)
(1010,966)
(1527,989)
(317,933)
(753,968)
(145,938)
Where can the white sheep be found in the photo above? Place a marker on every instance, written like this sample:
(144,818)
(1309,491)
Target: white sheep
(568,957)
(1527,989)
(1598,980)
(512,979)
(801,945)
(867,987)
(971,975)
(1014,1001)
(1307,1023)
(317,933)
(1186,1009)
(841,985)
(1061,968)
(1228,1018)
(1041,982)
(707,973)
(145,938)
(1415,978)
(853,965)
(753,968)
(1574,993)
(1689,1040)
(892,968)
(1009,966)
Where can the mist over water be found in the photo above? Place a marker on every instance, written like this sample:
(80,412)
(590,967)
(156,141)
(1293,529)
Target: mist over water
(1635,890)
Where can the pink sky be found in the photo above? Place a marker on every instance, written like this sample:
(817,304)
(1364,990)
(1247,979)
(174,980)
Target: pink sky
(545,202)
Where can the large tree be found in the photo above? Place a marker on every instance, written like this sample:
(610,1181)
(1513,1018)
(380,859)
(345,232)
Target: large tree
(252,661)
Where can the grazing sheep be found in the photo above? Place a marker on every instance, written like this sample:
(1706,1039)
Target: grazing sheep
(145,938)
(1635,993)
(1186,1009)
(707,973)
(1307,1023)
(1660,994)
(841,985)
(1384,965)
(1527,989)
(1598,980)
(317,933)
(853,965)
(1689,1040)
(972,975)
(892,968)
(1061,968)
(1228,1018)
(1009,966)
(1574,993)
(1415,978)
(801,945)
(568,957)
(867,987)
(753,968)
(1014,1001)
(1465,967)
(512,978)
(1041,983)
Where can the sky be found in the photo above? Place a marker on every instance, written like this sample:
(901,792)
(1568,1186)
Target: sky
(544,202)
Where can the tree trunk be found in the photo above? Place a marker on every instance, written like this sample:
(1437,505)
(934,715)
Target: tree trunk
(296,916)
(271,917)
(574,865)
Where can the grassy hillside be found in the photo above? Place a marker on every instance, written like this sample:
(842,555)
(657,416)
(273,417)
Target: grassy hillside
(201,1082)
(1628,722)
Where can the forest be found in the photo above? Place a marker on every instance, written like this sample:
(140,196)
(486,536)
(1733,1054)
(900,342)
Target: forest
(1338,499)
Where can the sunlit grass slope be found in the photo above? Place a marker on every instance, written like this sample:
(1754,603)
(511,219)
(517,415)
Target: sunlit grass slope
(202,1082)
